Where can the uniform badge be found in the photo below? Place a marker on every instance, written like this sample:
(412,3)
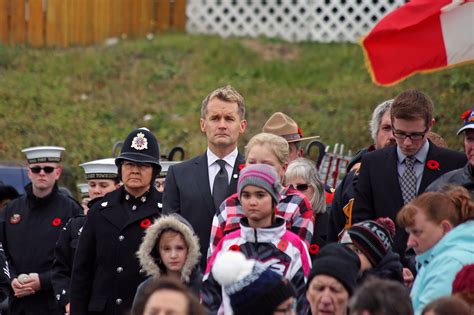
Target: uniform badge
(140,142)
(104,204)
(15,219)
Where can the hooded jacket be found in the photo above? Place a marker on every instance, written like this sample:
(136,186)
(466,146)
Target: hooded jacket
(149,257)
(438,266)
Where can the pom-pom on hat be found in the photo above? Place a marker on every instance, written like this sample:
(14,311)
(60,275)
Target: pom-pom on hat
(260,175)
(373,238)
(468,120)
(464,280)
(43,154)
(339,262)
(251,287)
(100,169)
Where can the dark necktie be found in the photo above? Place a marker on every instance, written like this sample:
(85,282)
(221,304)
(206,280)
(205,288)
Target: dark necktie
(408,180)
(221,183)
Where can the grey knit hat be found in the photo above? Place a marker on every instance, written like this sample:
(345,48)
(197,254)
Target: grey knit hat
(260,175)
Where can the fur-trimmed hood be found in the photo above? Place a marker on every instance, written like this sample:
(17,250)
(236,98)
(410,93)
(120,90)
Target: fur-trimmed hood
(147,253)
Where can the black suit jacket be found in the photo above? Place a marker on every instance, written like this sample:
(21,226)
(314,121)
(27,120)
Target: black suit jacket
(378,193)
(187,192)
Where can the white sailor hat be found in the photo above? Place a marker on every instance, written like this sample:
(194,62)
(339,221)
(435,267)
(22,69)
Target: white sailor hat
(43,154)
(84,189)
(165,165)
(100,169)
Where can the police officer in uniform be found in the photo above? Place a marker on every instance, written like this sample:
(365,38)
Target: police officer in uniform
(30,227)
(106,272)
(102,178)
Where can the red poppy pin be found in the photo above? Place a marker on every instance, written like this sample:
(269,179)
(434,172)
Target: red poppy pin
(56,222)
(466,114)
(145,223)
(432,165)
(300,132)
(235,248)
(241,166)
(15,219)
(282,245)
(313,249)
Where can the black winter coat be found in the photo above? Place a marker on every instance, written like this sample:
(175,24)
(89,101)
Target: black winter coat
(106,271)
(30,227)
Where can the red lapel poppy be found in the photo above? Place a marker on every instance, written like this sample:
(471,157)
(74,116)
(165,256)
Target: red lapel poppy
(241,166)
(313,249)
(145,223)
(235,248)
(466,114)
(282,245)
(56,222)
(432,165)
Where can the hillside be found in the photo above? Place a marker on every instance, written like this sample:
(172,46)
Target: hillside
(87,98)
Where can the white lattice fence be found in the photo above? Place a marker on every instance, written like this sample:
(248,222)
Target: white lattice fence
(292,20)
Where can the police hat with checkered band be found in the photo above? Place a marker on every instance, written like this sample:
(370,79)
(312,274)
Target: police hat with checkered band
(140,146)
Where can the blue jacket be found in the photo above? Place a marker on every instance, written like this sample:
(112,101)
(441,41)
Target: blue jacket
(438,266)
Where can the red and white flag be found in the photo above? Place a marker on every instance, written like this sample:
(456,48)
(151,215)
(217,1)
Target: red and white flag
(422,35)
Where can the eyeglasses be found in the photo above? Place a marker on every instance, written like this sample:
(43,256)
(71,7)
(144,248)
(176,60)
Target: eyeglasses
(141,166)
(160,184)
(290,309)
(46,169)
(415,136)
(301,187)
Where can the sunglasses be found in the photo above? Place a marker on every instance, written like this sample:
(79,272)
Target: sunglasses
(301,187)
(46,169)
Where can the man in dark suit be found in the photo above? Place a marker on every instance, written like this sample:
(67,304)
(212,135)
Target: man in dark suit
(391,177)
(196,188)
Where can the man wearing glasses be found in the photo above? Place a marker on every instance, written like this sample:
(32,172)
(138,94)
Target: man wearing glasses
(393,176)
(30,227)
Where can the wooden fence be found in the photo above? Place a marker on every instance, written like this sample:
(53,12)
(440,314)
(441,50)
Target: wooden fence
(83,22)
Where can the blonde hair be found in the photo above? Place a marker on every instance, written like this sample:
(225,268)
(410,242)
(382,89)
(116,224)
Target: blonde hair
(278,146)
(227,94)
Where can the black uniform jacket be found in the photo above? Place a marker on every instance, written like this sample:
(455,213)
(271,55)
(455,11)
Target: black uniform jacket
(187,192)
(106,271)
(64,255)
(30,227)
(378,193)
